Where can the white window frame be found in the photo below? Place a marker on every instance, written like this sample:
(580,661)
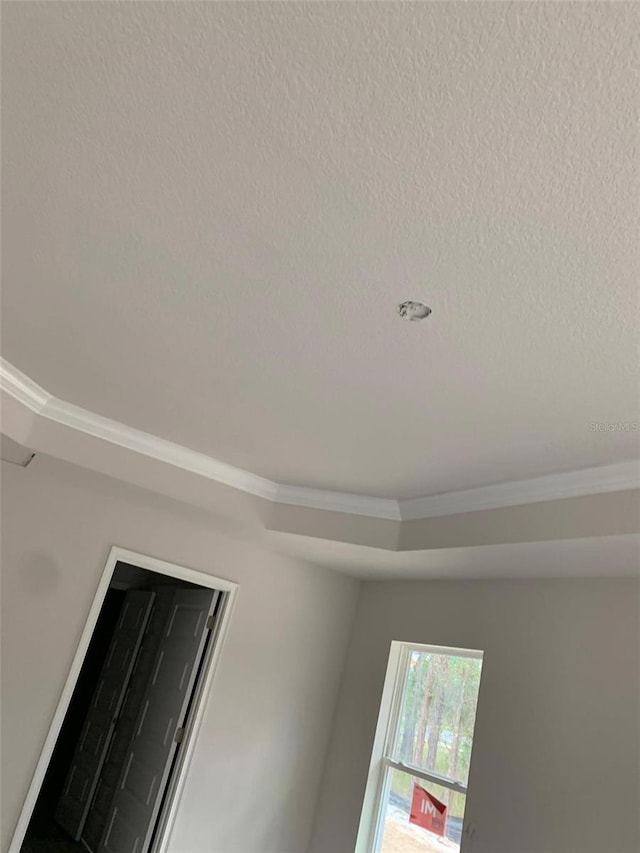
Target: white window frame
(378,780)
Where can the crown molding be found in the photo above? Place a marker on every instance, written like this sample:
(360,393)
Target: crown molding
(179,456)
(570,484)
(22,388)
(607,478)
(161,449)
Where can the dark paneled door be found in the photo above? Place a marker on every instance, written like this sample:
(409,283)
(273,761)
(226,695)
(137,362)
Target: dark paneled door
(93,743)
(147,763)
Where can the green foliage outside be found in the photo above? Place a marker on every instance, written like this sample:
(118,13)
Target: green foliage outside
(436,723)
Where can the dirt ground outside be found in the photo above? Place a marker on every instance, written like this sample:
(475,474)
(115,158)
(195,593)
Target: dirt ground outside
(400,836)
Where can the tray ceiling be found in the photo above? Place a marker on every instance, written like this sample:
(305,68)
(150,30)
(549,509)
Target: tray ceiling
(211,212)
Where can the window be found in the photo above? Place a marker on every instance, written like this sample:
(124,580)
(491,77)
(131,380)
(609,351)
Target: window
(417,786)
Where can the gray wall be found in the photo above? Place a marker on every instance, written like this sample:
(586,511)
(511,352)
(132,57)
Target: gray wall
(556,761)
(261,750)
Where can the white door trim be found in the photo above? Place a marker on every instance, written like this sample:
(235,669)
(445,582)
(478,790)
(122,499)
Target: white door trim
(162,567)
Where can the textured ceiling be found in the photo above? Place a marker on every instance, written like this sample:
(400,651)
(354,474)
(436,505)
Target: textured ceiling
(210,212)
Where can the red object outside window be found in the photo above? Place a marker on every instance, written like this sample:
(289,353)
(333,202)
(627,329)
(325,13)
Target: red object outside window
(427,811)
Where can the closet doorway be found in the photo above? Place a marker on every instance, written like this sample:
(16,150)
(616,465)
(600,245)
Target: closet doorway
(116,757)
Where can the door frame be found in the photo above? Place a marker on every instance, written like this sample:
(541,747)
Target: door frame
(178,779)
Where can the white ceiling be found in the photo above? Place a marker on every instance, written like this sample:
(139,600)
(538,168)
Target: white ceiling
(210,212)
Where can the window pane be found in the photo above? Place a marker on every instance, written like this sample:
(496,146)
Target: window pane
(438,711)
(404,829)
